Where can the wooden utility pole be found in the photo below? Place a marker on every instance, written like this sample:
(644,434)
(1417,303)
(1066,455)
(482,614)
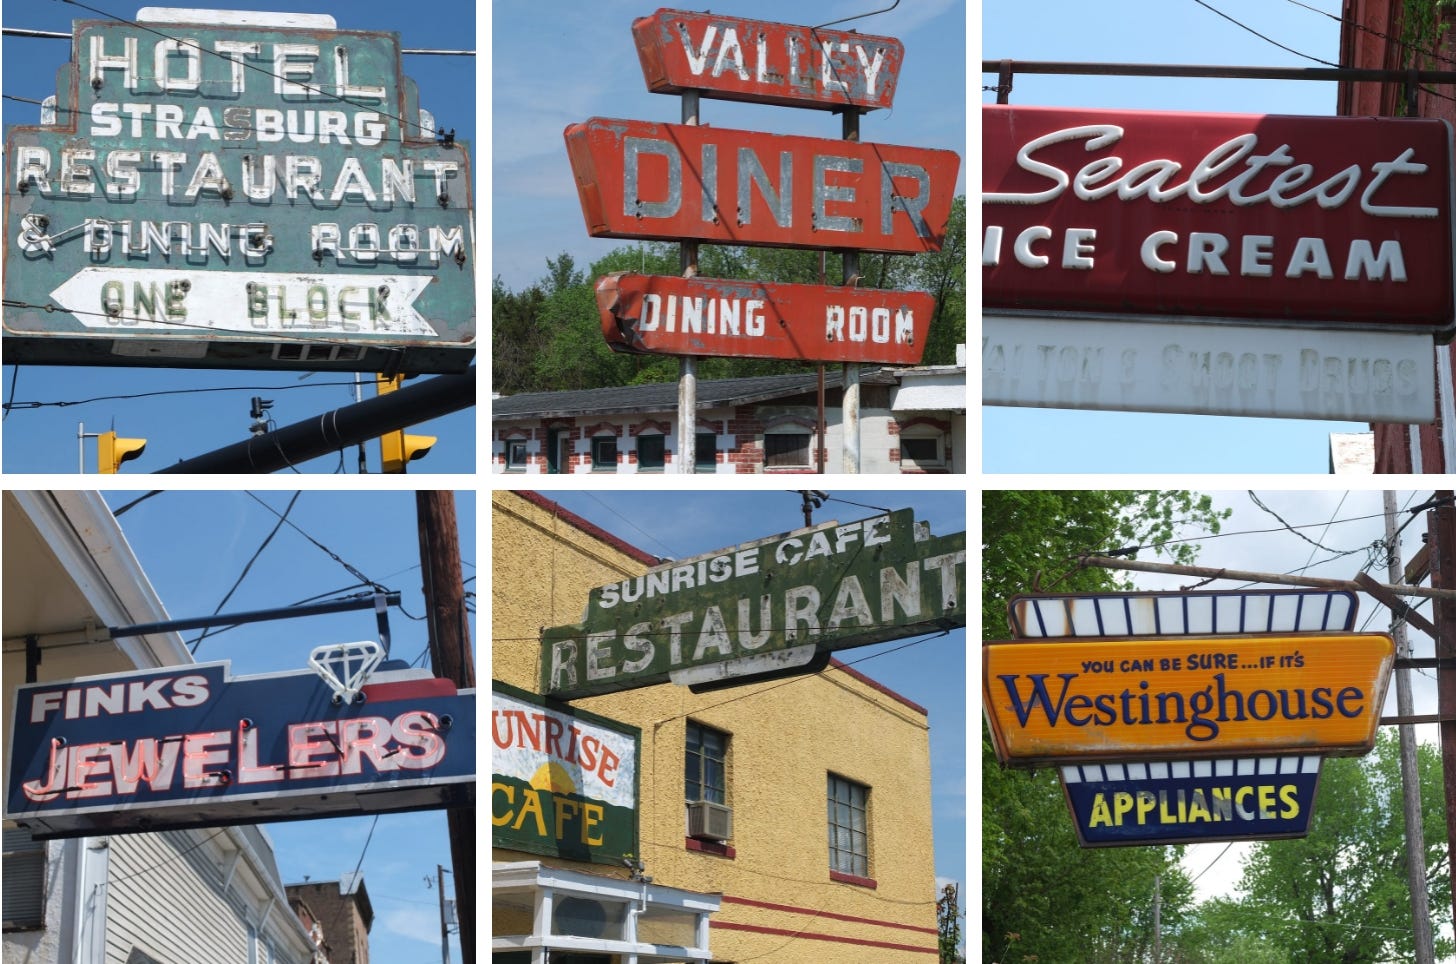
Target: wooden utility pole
(1415,836)
(451,658)
(1442,541)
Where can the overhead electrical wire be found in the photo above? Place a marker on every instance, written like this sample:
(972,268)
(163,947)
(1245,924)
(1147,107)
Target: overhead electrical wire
(1244,26)
(247,567)
(171,391)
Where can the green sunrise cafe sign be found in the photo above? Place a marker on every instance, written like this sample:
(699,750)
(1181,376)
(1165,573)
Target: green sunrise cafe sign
(564,782)
(773,606)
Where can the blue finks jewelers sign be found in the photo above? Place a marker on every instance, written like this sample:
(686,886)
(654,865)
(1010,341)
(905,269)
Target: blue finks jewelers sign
(1197,801)
(194,746)
(227,190)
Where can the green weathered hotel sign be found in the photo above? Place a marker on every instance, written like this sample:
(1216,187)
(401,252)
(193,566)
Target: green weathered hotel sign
(564,782)
(223,189)
(760,608)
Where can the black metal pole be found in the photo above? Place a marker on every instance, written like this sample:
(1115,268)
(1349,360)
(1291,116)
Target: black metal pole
(1326,74)
(332,431)
(255,616)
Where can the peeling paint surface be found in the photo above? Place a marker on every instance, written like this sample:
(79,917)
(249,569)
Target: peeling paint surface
(749,319)
(821,589)
(669,182)
(769,63)
(286,188)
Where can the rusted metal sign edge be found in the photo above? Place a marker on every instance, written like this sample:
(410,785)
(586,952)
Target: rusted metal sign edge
(749,319)
(1196,696)
(733,58)
(640,179)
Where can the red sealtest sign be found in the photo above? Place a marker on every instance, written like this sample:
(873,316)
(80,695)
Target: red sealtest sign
(672,182)
(1316,219)
(750,319)
(767,63)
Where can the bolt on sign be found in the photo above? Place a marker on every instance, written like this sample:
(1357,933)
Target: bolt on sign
(769,606)
(1237,611)
(1191,801)
(1322,220)
(670,182)
(247,191)
(749,319)
(1141,698)
(194,746)
(565,782)
(766,63)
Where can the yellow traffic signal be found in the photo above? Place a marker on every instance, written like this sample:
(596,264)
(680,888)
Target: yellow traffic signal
(112,451)
(397,449)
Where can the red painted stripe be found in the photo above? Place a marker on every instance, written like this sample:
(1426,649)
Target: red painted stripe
(831,938)
(409,689)
(879,686)
(790,909)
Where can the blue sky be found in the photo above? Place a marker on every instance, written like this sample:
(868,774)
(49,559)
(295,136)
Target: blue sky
(193,546)
(1157,31)
(552,71)
(931,672)
(44,440)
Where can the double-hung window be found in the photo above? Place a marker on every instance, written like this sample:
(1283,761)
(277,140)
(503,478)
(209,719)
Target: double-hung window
(705,774)
(849,839)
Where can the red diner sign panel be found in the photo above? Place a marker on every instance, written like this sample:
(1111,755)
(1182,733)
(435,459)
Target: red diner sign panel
(672,182)
(750,319)
(1281,218)
(767,63)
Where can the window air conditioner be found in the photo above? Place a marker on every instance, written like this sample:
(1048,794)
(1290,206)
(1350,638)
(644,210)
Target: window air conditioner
(710,821)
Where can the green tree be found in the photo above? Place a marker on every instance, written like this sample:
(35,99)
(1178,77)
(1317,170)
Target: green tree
(516,337)
(1044,898)
(1342,894)
(1221,931)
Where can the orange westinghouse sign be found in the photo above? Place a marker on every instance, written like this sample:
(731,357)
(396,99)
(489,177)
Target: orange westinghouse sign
(1120,699)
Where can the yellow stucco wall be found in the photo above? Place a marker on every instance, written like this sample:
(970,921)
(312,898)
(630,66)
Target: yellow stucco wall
(785,738)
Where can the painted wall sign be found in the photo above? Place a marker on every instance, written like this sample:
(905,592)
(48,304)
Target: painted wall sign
(1197,801)
(639,179)
(1218,612)
(768,63)
(765,606)
(1207,369)
(1319,219)
(749,319)
(1054,702)
(243,196)
(191,746)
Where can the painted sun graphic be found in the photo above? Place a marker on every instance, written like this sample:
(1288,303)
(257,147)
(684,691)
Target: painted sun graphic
(553,778)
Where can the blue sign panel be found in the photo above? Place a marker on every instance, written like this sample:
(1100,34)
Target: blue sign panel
(190,746)
(237,195)
(1191,801)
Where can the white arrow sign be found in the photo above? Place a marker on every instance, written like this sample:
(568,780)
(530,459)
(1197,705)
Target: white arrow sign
(282,303)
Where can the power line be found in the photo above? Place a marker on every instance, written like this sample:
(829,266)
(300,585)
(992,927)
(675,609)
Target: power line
(172,391)
(246,568)
(1244,26)
(326,550)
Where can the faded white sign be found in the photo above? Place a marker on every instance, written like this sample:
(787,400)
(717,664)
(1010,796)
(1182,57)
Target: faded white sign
(1207,369)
